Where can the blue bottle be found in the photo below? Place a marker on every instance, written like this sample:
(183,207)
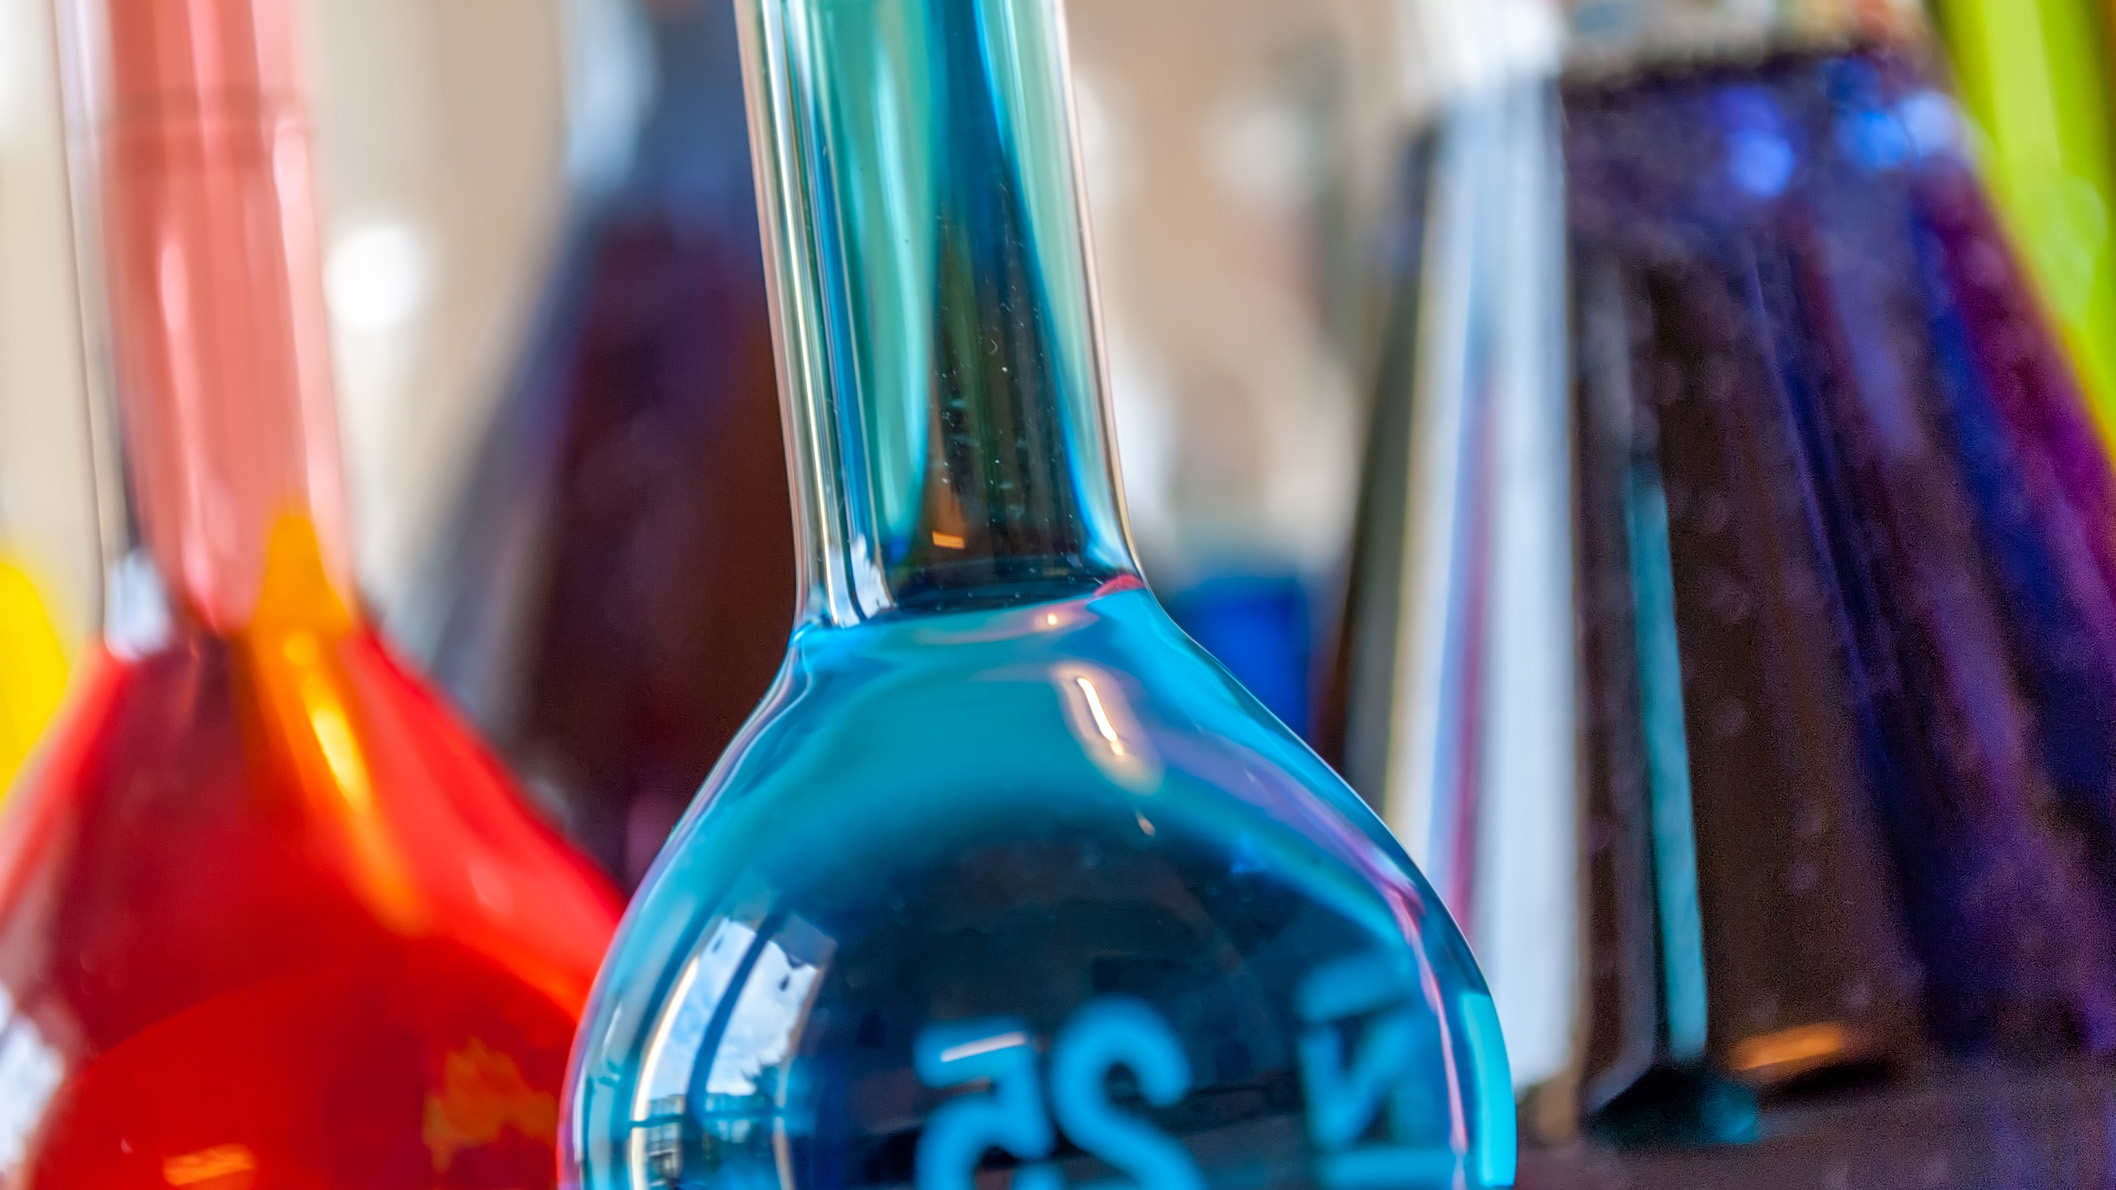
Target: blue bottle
(1006,883)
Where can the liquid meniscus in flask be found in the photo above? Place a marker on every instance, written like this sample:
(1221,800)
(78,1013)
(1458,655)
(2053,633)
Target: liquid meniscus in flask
(268,916)
(1006,882)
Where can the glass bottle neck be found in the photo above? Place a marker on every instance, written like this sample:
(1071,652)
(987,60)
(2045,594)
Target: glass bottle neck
(196,219)
(933,301)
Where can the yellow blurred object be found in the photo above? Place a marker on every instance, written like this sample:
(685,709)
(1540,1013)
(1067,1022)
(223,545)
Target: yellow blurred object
(2034,77)
(32,668)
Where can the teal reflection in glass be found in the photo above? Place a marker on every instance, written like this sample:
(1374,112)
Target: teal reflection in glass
(1006,883)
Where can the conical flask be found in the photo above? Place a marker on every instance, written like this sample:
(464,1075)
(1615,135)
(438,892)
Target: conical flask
(1235,154)
(1737,638)
(268,917)
(608,601)
(1005,874)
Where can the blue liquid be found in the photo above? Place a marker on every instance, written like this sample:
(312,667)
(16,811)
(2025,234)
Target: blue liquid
(1259,627)
(1038,890)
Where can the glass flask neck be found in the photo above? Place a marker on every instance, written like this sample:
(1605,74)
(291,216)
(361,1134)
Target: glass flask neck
(199,250)
(933,304)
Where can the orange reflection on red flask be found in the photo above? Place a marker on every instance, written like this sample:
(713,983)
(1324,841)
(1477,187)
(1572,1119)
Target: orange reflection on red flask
(268,916)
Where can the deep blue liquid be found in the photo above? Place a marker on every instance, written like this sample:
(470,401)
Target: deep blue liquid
(1043,890)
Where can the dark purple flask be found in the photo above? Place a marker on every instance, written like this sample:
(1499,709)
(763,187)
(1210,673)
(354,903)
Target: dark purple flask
(610,600)
(1831,798)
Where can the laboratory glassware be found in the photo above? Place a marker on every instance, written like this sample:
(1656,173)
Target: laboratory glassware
(268,916)
(32,667)
(609,599)
(1005,874)
(1744,671)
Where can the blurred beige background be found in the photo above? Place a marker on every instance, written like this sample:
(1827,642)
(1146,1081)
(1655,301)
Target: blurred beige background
(1238,152)
(45,512)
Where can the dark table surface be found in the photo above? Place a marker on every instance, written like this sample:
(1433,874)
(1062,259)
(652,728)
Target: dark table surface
(1969,1129)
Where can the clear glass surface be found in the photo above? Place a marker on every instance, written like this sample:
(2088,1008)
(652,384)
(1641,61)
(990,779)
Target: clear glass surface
(1236,158)
(968,873)
(268,916)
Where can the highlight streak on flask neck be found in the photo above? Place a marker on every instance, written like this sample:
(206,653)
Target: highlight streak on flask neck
(193,150)
(934,305)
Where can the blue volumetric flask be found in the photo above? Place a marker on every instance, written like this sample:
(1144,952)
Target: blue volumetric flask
(1006,883)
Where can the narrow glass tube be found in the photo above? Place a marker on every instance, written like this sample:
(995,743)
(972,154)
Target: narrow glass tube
(932,284)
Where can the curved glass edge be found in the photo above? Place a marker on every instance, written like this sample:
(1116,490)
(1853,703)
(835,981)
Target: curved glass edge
(933,304)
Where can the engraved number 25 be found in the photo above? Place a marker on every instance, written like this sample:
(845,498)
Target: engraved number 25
(1108,1033)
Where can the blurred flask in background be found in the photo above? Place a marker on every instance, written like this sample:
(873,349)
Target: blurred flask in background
(1235,155)
(437,176)
(609,600)
(2034,78)
(1733,632)
(268,916)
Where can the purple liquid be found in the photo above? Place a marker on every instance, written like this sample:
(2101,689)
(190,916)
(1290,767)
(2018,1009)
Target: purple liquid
(1890,574)
(615,595)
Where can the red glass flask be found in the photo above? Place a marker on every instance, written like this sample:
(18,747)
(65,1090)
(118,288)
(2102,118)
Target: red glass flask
(268,917)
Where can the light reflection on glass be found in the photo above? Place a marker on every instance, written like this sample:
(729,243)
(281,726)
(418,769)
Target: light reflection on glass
(1102,724)
(760,1031)
(748,1042)
(669,1061)
(206,1165)
(30,1073)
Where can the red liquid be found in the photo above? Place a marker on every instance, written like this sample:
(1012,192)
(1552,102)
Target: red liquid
(285,926)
